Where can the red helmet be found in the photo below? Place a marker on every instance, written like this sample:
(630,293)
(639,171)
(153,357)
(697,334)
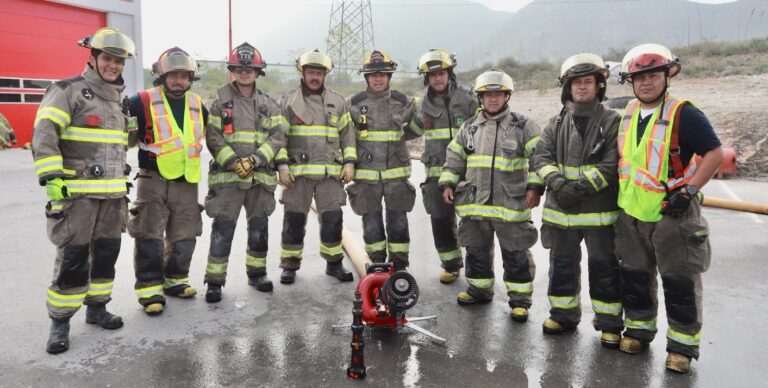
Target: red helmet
(246,55)
(646,58)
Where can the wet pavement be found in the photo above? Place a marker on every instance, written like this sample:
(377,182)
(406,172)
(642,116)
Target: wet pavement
(285,338)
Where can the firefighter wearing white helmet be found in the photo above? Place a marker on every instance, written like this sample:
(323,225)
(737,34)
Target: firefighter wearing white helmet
(318,158)
(576,157)
(489,178)
(78,145)
(165,218)
(381,117)
(660,226)
(245,132)
(441,110)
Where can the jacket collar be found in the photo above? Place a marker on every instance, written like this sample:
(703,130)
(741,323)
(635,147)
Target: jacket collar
(106,91)
(581,110)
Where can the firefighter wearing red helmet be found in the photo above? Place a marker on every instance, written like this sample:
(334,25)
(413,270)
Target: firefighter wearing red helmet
(78,145)
(165,219)
(660,226)
(245,132)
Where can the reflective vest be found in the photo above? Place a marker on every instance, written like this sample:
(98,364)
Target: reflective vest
(178,152)
(644,167)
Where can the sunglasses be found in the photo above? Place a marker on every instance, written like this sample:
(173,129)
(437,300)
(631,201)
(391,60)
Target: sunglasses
(243,70)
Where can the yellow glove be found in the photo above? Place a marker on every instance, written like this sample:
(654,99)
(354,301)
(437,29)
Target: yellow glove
(285,178)
(243,167)
(347,173)
(56,189)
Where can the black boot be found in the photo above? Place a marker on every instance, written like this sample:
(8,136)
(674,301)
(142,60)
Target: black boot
(98,314)
(213,295)
(262,283)
(58,339)
(288,276)
(338,271)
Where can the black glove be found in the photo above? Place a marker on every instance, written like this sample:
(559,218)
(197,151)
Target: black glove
(570,195)
(677,204)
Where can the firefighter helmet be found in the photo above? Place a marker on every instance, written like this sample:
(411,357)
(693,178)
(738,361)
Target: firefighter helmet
(174,59)
(582,64)
(314,58)
(646,58)
(248,56)
(492,81)
(378,62)
(112,41)
(436,59)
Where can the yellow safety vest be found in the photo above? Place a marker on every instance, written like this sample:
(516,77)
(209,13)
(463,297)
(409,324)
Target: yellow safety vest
(644,167)
(178,152)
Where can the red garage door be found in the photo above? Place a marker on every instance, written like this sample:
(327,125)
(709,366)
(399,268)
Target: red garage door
(38,45)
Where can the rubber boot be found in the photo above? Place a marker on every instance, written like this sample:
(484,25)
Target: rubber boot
(58,339)
(154,309)
(465,299)
(288,276)
(98,314)
(677,363)
(448,277)
(338,271)
(631,345)
(519,314)
(610,340)
(213,295)
(261,282)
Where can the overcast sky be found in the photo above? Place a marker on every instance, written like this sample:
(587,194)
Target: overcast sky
(201,26)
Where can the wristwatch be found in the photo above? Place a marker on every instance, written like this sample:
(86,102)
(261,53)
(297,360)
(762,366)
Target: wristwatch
(691,189)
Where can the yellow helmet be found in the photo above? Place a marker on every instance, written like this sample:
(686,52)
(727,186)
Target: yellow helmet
(436,59)
(174,59)
(112,41)
(493,80)
(648,57)
(314,58)
(582,64)
(378,62)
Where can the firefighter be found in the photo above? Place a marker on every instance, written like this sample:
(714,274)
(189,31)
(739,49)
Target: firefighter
(165,219)
(439,115)
(381,117)
(318,159)
(7,136)
(79,143)
(245,132)
(660,226)
(486,176)
(576,157)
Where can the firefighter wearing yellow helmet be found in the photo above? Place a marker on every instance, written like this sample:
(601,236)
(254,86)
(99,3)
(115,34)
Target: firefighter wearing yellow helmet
(440,112)
(79,142)
(488,177)
(576,157)
(244,134)
(317,160)
(381,117)
(660,226)
(165,219)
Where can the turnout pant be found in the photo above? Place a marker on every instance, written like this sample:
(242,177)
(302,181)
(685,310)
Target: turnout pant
(223,205)
(329,198)
(366,200)
(515,239)
(86,233)
(444,231)
(679,250)
(165,220)
(565,276)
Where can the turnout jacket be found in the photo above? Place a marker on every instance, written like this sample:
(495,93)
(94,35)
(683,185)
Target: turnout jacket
(564,151)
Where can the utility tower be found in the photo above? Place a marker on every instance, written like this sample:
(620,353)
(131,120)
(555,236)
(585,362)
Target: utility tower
(350,35)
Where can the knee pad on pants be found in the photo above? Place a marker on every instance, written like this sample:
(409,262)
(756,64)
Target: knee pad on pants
(105,253)
(444,231)
(478,261)
(564,276)
(397,226)
(294,227)
(149,259)
(680,298)
(373,227)
(258,234)
(222,232)
(74,268)
(636,284)
(181,256)
(604,279)
(330,226)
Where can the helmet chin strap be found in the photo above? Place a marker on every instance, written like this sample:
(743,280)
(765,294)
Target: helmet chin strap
(174,93)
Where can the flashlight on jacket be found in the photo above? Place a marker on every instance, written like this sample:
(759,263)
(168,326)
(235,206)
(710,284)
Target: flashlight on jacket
(226,121)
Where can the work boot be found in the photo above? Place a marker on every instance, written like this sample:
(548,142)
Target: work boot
(183,291)
(288,276)
(213,295)
(154,308)
(553,327)
(58,339)
(98,314)
(448,277)
(519,314)
(676,362)
(610,340)
(338,271)
(261,282)
(465,299)
(631,345)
